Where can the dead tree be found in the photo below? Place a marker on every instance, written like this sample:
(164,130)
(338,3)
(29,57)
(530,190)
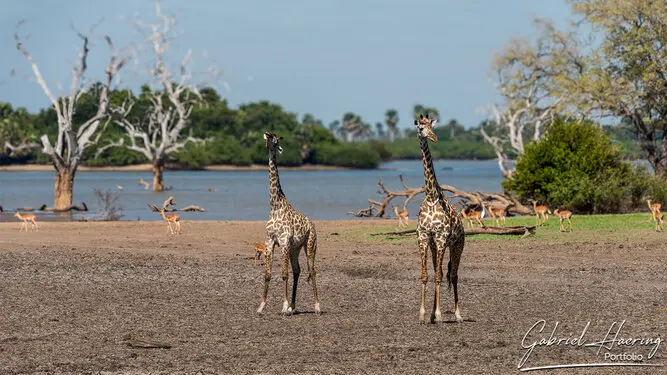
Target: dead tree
(378,209)
(10,149)
(526,74)
(71,142)
(159,132)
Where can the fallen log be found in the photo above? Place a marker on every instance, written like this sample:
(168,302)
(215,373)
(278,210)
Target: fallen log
(141,344)
(24,209)
(171,202)
(516,230)
(192,208)
(378,209)
(72,207)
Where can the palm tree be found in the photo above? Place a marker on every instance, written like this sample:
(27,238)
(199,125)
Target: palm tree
(351,123)
(453,124)
(391,119)
(379,128)
(334,127)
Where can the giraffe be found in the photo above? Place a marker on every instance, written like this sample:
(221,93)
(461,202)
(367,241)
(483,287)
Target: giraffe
(290,230)
(439,226)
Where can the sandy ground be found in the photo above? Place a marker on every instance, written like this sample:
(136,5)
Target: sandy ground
(74,295)
(149,168)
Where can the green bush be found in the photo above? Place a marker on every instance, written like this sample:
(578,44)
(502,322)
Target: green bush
(408,148)
(381,149)
(577,166)
(348,155)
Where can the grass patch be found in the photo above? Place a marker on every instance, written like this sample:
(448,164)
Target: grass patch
(585,228)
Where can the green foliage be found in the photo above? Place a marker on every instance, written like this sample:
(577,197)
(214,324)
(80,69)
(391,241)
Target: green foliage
(408,148)
(347,155)
(577,166)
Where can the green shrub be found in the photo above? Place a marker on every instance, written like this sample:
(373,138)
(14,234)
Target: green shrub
(290,157)
(577,166)
(381,149)
(348,155)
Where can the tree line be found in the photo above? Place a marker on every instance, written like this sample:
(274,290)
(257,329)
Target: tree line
(178,117)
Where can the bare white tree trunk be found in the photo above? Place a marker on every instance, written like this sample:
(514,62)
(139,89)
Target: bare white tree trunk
(70,142)
(160,132)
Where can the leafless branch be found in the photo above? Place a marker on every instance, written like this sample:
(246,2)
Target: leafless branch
(378,209)
(160,132)
(70,144)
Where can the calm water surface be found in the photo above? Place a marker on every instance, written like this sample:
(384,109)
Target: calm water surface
(322,195)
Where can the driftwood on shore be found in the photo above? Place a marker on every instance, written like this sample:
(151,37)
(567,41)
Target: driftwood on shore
(73,207)
(171,202)
(378,209)
(523,231)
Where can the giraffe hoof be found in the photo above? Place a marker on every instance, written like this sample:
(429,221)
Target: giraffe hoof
(288,312)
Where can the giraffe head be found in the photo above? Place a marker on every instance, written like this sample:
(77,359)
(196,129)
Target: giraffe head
(425,127)
(273,142)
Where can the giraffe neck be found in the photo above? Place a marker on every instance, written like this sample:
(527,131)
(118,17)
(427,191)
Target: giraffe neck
(276,194)
(431,186)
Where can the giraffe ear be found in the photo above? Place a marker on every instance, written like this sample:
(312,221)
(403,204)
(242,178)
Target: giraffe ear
(264,135)
(433,122)
(416,122)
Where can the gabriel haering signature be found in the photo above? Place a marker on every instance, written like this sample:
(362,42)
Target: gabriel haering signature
(644,348)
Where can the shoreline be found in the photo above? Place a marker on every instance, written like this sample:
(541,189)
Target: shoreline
(149,168)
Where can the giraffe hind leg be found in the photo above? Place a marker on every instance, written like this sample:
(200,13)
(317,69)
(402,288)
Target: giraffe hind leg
(296,272)
(311,250)
(455,251)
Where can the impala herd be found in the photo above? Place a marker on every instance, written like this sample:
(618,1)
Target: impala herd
(497,214)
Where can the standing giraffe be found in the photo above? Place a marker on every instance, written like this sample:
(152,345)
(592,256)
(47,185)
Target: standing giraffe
(439,226)
(290,230)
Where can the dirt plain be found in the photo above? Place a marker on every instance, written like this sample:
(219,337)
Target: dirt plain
(80,298)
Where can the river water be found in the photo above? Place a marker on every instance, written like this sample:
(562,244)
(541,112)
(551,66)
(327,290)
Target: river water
(243,195)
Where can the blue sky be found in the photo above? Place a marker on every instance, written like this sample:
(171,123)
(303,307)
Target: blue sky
(317,56)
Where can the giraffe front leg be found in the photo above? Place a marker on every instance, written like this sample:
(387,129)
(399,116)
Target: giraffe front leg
(423,248)
(285,275)
(437,252)
(268,253)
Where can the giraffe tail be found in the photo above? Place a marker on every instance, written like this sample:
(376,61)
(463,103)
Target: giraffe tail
(449,279)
